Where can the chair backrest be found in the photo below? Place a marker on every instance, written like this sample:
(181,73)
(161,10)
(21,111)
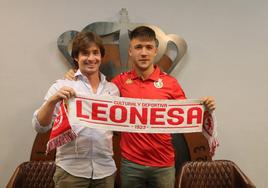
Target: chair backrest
(212,174)
(33,174)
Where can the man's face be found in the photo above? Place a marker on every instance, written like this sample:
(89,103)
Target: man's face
(89,60)
(142,53)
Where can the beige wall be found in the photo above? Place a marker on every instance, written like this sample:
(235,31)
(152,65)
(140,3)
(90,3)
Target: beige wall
(227,58)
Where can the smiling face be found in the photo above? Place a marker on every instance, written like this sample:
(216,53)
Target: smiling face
(142,51)
(89,60)
(87,51)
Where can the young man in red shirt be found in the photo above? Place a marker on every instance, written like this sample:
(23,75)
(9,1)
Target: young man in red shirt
(148,159)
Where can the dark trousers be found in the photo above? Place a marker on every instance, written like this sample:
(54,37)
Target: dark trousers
(138,176)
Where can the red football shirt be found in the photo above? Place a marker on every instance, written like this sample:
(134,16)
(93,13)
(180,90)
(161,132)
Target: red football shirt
(143,148)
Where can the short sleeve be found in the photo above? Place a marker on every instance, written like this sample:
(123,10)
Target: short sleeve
(177,91)
(117,81)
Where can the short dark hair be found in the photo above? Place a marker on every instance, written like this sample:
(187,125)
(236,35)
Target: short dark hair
(143,32)
(82,42)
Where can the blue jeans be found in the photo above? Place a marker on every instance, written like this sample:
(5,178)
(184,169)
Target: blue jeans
(138,176)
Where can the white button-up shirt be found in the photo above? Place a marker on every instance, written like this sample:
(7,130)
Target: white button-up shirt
(90,155)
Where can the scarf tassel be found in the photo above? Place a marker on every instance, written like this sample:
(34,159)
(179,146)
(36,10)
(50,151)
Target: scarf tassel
(60,140)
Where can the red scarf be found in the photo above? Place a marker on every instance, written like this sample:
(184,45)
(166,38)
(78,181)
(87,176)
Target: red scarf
(61,132)
(210,131)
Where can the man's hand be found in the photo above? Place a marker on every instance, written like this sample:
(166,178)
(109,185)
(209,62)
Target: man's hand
(64,93)
(44,116)
(70,74)
(209,103)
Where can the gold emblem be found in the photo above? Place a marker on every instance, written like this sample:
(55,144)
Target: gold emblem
(129,81)
(159,83)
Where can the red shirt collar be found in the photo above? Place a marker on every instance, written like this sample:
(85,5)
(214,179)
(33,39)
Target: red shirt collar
(154,76)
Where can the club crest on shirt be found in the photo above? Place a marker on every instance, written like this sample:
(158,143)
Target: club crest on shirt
(159,83)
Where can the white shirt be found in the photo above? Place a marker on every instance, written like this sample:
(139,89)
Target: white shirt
(90,155)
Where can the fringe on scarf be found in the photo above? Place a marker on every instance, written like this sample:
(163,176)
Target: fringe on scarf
(210,131)
(60,140)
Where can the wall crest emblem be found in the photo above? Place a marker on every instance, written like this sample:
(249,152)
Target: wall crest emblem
(115,36)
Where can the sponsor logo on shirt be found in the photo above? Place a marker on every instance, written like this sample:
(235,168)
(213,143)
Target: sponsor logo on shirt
(129,81)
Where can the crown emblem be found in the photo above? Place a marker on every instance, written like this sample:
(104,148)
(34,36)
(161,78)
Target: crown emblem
(115,36)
